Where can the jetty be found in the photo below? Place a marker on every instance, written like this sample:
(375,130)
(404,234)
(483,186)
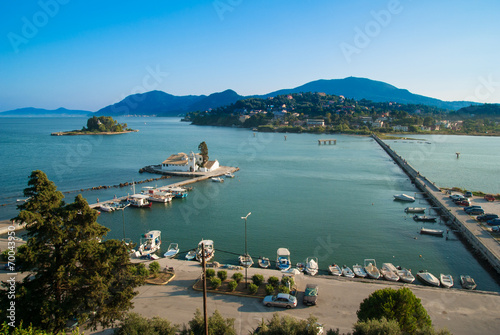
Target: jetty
(329,141)
(478,237)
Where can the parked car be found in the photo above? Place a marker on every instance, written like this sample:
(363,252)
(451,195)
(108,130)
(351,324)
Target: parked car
(489,197)
(471,207)
(494,222)
(486,217)
(310,295)
(455,196)
(465,203)
(475,211)
(280,300)
(468,194)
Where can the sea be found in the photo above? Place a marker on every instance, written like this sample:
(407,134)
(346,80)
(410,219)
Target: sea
(332,202)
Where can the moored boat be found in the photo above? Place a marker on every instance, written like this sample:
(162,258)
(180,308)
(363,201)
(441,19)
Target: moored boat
(446,280)
(424,218)
(172,251)
(283,259)
(335,270)
(405,275)
(139,201)
(428,278)
(205,247)
(245,260)
(435,232)
(347,272)
(312,267)
(217,179)
(150,243)
(404,197)
(359,271)
(264,262)
(228,175)
(300,266)
(178,192)
(389,271)
(415,209)
(106,208)
(371,269)
(191,255)
(467,282)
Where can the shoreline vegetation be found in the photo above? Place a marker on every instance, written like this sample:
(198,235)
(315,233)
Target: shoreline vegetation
(102,125)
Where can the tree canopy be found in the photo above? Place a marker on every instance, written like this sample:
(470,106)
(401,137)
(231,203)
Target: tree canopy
(203,152)
(104,124)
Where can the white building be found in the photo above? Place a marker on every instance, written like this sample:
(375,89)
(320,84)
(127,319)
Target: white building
(400,128)
(182,162)
(315,122)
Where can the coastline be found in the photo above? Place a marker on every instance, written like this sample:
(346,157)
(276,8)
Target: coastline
(78,132)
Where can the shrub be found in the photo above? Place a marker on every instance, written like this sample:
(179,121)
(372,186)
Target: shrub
(287,281)
(257,279)
(232,285)
(135,324)
(215,282)
(374,327)
(252,288)
(273,281)
(154,268)
(283,289)
(210,273)
(222,274)
(237,276)
(216,324)
(270,289)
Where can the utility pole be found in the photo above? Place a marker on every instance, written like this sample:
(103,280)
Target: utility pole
(246,253)
(203,276)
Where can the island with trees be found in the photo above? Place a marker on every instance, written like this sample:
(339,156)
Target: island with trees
(102,125)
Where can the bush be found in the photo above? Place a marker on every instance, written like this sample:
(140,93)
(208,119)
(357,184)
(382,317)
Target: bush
(257,279)
(135,324)
(232,285)
(252,288)
(216,324)
(215,282)
(375,327)
(210,273)
(222,274)
(283,289)
(270,289)
(273,281)
(237,276)
(287,281)
(154,268)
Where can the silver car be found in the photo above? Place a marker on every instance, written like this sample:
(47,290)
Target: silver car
(280,300)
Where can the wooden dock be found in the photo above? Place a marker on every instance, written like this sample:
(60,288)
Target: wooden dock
(330,141)
(479,238)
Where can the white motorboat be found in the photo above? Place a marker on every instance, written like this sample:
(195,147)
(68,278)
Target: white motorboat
(415,209)
(191,255)
(283,259)
(209,251)
(229,175)
(139,200)
(172,251)
(446,280)
(347,272)
(435,232)
(467,282)
(106,208)
(389,271)
(150,243)
(405,275)
(371,269)
(359,271)
(404,197)
(428,278)
(335,270)
(217,179)
(264,262)
(245,260)
(312,267)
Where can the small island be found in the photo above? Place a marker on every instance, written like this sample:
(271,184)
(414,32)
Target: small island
(102,125)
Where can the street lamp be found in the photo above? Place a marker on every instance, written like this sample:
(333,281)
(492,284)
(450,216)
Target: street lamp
(246,253)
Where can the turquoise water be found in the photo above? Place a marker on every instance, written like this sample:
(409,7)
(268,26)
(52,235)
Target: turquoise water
(334,202)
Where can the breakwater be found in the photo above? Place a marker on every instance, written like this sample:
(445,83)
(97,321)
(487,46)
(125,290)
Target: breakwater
(479,239)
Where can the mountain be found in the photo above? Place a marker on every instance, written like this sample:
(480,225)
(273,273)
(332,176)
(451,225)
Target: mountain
(362,88)
(39,112)
(163,104)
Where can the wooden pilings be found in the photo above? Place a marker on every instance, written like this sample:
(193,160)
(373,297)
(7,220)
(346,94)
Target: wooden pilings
(330,141)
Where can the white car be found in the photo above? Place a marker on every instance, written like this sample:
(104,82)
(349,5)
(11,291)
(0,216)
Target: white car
(280,300)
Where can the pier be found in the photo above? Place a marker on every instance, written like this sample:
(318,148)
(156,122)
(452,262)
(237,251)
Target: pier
(330,141)
(479,238)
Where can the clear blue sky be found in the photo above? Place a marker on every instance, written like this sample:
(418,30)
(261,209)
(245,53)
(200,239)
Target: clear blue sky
(89,54)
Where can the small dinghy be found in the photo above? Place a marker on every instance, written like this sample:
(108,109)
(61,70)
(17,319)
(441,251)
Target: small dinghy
(428,278)
(347,272)
(446,280)
(172,251)
(405,275)
(415,209)
(371,269)
(435,232)
(424,218)
(300,266)
(335,270)
(359,271)
(245,260)
(312,266)
(191,255)
(467,282)
(264,262)
(388,270)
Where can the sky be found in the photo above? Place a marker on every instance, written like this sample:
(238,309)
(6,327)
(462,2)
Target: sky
(86,55)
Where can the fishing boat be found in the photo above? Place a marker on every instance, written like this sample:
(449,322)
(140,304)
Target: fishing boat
(371,269)
(415,209)
(283,259)
(311,266)
(435,232)
(217,179)
(405,275)
(209,251)
(428,278)
(467,282)
(404,197)
(446,280)
(139,201)
(335,270)
(172,251)
(191,255)
(359,271)
(347,272)
(150,243)
(157,195)
(245,260)
(178,192)
(389,271)
(264,262)
(424,218)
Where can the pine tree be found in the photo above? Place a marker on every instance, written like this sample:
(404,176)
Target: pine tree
(203,152)
(75,275)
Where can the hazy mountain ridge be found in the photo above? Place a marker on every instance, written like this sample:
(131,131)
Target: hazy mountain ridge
(39,112)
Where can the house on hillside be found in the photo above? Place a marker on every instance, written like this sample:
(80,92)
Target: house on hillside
(315,122)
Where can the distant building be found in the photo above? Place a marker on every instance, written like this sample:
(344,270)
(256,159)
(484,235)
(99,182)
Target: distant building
(400,128)
(315,122)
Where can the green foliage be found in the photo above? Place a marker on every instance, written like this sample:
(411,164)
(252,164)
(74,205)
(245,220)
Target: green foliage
(257,279)
(104,124)
(377,327)
(154,268)
(232,285)
(139,269)
(5,329)
(252,288)
(283,289)
(270,289)
(75,275)
(287,281)
(217,325)
(222,274)
(203,152)
(288,325)
(275,281)
(135,324)
(210,273)
(400,305)
(237,276)
(215,282)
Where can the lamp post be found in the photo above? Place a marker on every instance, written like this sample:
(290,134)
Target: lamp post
(246,253)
